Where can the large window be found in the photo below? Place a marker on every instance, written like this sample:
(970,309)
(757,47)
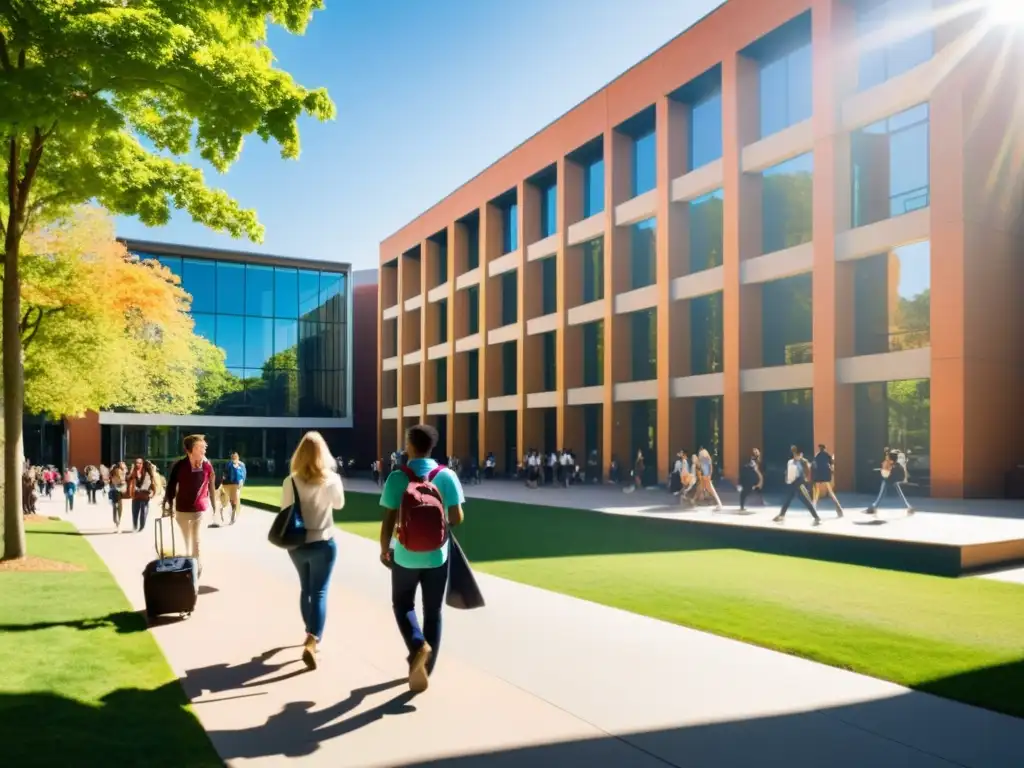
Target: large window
(593,270)
(706,332)
(895,415)
(787,419)
(509,368)
(643,256)
(891,167)
(787,210)
(550,361)
(786,321)
(442,263)
(644,345)
(548,210)
(645,176)
(786,97)
(706,130)
(473,312)
(894,36)
(510,227)
(473,374)
(509,297)
(707,219)
(593,188)
(442,321)
(441,379)
(549,286)
(892,300)
(283,332)
(593,354)
(472,244)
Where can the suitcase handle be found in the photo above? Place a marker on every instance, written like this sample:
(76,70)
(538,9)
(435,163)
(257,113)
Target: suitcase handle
(158,536)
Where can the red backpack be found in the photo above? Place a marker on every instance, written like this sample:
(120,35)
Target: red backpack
(422,523)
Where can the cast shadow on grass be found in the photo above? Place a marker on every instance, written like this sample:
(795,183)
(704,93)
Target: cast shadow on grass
(153,728)
(499,531)
(124,622)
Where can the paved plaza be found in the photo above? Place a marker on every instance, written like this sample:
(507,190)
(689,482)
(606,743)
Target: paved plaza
(535,679)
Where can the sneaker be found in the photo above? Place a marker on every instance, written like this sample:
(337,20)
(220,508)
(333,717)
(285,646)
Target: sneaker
(910,510)
(418,677)
(778,519)
(839,513)
(817,522)
(870,511)
(309,651)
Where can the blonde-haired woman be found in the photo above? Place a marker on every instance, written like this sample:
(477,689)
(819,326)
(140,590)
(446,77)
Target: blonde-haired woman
(706,477)
(320,492)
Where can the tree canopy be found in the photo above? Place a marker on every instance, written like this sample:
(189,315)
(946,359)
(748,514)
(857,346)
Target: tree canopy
(102,102)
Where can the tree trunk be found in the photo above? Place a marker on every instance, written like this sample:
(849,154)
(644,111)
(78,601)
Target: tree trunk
(14,397)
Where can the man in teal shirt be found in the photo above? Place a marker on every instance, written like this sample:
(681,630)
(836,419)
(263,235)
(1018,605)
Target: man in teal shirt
(427,570)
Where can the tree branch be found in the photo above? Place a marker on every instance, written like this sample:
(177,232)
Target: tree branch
(35,154)
(5,56)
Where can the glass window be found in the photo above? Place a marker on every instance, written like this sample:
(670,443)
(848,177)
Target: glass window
(885,55)
(593,354)
(892,300)
(473,374)
(706,130)
(286,293)
(473,301)
(706,333)
(643,256)
(550,361)
(510,227)
(593,270)
(787,204)
(472,244)
(785,90)
(230,287)
(442,264)
(787,419)
(645,171)
(199,279)
(891,167)
(286,342)
(206,326)
(259,291)
(311,352)
(509,297)
(332,295)
(897,415)
(549,286)
(173,263)
(309,292)
(259,341)
(442,321)
(786,321)
(644,350)
(707,220)
(441,379)
(231,338)
(509,368)
(549,211)
(708,426)
(593,188)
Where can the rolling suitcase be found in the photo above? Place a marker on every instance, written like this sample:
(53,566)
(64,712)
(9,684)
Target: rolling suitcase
(170,584)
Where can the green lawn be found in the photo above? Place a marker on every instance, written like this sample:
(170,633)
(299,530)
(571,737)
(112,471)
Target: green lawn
(83,682)
(959,638)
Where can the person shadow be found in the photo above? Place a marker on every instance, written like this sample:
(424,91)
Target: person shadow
(218,678)
(298,729)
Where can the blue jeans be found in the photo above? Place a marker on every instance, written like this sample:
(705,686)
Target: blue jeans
(70,489)
(314,562)
(404,582)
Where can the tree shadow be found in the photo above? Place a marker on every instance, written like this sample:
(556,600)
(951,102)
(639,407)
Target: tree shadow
(124,622)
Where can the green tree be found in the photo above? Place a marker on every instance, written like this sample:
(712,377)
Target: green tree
(101,100)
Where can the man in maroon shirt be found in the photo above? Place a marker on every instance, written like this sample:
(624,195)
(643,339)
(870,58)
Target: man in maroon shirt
(188,492)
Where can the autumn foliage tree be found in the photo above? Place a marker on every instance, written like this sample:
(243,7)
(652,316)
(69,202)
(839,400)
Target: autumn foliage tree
(99,101)
(101,329)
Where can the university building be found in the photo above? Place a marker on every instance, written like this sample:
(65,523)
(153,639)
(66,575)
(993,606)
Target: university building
(286,327)
(798,222)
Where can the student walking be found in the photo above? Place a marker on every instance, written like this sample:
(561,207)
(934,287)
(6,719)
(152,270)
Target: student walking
(320,492)
(141,489)
(421,500)
(751,478)
(687,480)
(824,469)
(70,488)
(118,492)
(706,478)
(894,474)
(234,481)
(798,474)
(188,496)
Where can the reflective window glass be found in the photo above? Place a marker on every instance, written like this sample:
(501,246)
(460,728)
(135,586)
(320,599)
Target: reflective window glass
(259,291)
(593,189)
(706,130)
(891,167)
(787,204)
(707,220)
(259,341)
(231,338)
(706,334)
(645,176)
(206,326)
(199,279)
(643,260)
(309,292)
(593,270)
(510,226)
(286,341)
(173,263)
(230,288)
(786,321)
(549,211)
(892,300)
(286,293)
(331,296)
(785,90)
(893,37)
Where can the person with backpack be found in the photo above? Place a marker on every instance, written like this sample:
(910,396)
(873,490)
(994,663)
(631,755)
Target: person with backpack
(894,474)
(189,494)
(798,475)
(421,500)
(234,480)
(824,469)
(70,483)
(319,488)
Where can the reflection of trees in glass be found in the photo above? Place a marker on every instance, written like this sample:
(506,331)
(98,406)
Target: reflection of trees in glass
(706,238)
(706,339)
(909,415)
(911,322)
(787,206)
(787,321)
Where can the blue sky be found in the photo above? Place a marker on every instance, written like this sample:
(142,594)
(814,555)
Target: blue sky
(428,95)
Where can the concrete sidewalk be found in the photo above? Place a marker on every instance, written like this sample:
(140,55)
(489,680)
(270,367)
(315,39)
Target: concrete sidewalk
(534,679)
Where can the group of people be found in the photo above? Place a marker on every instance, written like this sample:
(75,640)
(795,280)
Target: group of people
(557,468)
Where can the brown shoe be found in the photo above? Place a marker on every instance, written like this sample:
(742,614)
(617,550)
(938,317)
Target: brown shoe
(418,677)
(309,652)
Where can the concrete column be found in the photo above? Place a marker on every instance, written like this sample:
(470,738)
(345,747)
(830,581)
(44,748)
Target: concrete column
(529,231)
(400,399)
(740,109)
(430,252)
(490,248)
(834,79)
(456,241)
